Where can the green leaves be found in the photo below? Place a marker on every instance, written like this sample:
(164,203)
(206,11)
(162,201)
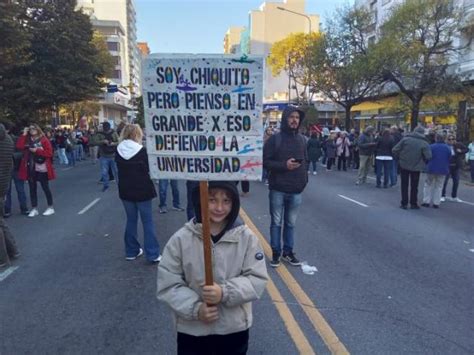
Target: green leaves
(59,60)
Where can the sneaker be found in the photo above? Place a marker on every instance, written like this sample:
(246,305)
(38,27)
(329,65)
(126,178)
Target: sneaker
(49,211)
(33,213)
(25,212)
(163,210)
(457,199)
(6,214)
(448,198)
(415,207)
(443,199)
(403,207)
(266,182)
(435,206)
(105,188)
(315,173)
(425,204)
(157,260)
(130,258)
(179,209)
(291,258)
(275,262)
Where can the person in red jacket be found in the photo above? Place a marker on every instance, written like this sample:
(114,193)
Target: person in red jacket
(36,166)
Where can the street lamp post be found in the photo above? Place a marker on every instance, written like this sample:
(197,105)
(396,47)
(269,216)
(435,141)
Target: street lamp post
(309,20)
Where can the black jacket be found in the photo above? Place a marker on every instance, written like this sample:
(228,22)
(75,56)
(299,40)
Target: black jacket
(6,162)
(278,149)
(135,183)
(384,146)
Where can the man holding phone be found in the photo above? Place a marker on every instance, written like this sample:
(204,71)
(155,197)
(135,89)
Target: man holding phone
(285,158)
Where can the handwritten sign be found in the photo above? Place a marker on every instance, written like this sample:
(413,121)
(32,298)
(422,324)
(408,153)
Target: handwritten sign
(203,116)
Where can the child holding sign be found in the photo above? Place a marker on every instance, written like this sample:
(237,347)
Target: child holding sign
(213,319)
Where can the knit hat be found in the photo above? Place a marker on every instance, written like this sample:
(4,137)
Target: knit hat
(419,130)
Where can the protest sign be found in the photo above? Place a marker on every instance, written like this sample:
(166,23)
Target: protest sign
(203,116)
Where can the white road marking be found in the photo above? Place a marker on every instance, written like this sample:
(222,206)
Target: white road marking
(349,199)
(85,209)
(7,272)
(371,177)
(471,250)
(468,203)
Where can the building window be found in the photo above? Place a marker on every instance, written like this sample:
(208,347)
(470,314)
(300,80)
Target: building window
(113,46)
(117,74)
(116,60)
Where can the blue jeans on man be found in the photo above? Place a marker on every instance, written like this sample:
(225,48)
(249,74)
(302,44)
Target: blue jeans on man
(394,172)
(132,246)
(454,173)
(105,165)
(163,188)
(386,166)
(20,191)
(283,212)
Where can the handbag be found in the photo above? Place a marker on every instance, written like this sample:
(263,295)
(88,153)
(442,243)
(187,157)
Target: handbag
(39,159)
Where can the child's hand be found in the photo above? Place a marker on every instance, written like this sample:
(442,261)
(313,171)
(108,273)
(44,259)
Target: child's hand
(208,314)
(212,294)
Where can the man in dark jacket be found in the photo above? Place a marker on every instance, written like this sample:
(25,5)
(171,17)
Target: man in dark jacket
(107,141)
(458,151)
(19,184)
(366,146)
(8,247)
(285,158)
(413,152)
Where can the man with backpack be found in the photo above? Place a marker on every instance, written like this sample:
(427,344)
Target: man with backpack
(107,141)
(285,158)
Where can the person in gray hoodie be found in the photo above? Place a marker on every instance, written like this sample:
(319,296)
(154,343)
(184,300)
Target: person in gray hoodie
(412,152)
(213,319)
(367,147)
(8,248)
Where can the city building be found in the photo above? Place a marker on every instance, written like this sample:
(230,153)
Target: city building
(272,22)
(232,40)
(116,21)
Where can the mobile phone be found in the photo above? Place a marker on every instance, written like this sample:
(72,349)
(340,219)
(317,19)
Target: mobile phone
(298,160)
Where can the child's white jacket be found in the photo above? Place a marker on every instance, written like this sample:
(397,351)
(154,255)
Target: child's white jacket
(238,266)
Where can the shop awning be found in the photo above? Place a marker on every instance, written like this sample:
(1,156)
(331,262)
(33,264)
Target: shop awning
(369,106)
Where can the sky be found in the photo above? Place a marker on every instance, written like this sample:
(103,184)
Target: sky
(199,26)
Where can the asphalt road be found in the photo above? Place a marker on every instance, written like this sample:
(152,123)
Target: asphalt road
(389,281)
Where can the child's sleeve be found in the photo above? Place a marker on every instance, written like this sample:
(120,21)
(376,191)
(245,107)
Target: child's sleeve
(172,289)
(250,284)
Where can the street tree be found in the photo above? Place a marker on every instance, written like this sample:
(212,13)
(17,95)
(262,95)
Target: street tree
(15,56)
(66,65)
(343,65)
(417,46)
(292,55)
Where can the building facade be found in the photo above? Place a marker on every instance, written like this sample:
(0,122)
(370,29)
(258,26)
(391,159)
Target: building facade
(116,21)
(232,40)
(270,24)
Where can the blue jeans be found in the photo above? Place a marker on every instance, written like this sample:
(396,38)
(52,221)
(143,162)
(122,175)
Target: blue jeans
(455,175)
(386,165)
(471,166)
(394,172)
(71,157)
(283,210)
(313,163)
(105,164)
(20,191)
(62,156)
(132,246)
(163,188)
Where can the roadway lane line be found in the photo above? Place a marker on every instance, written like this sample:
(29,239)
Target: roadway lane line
(8,272)
(317,320)
(297,335)
(85,209)
(467,203)
(349,199)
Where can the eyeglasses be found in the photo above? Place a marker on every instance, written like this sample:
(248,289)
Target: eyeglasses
(450,139)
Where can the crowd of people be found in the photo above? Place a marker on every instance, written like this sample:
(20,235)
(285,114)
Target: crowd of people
(219,316)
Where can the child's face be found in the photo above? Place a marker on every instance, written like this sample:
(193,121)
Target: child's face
(220,205)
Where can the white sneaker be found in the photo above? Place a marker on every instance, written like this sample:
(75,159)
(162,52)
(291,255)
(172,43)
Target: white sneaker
(443,199)
(315,173)
(33,213)
(140,253)
(157,260)
(449,199)
(457,199)
(49,211)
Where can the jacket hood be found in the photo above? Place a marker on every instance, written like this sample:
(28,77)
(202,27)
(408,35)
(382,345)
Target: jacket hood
(3,132)
(128,148)
(230,186)
(416,135)
(284,118)
(369,130)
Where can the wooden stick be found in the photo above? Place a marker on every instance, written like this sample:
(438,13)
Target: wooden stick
(206,232)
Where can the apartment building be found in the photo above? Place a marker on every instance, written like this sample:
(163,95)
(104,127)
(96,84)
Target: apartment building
(232,40)
(116,21)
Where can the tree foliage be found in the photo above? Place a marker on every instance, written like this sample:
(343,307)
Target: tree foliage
(67,63)
(426,31)
(344,66)
(292,55)
(140,119)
